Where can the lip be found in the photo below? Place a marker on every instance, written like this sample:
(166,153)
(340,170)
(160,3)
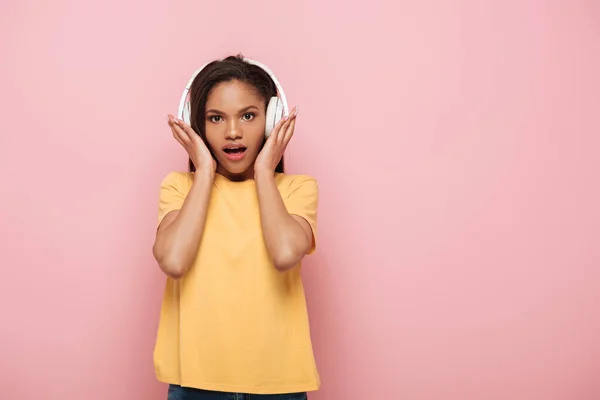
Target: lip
(235,156)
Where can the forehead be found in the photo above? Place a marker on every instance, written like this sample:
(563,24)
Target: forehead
(233,95)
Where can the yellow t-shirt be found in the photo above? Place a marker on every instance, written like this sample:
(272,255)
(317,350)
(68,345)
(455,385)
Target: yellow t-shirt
(234,323)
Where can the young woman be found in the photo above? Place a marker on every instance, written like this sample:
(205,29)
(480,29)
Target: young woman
(231,236)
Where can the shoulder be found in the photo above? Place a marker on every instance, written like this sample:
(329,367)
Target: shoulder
(181,181)
(290,184)
(295,180)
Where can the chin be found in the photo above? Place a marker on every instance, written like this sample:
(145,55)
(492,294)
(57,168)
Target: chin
(236,169)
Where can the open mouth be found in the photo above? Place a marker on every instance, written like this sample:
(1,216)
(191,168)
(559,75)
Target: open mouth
(235,150)
(235,153)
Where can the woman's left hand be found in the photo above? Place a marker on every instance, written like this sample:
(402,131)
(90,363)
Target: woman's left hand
(275,146)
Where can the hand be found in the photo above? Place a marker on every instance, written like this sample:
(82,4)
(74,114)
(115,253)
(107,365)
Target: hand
(273,150)
(193,144)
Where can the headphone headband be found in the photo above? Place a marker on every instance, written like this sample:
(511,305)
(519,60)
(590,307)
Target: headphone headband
(281,93)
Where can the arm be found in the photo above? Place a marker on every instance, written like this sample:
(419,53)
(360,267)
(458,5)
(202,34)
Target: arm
(288,237)
(287,230)
(180,232)
(183,216)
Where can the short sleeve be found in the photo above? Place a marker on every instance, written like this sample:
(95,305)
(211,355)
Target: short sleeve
(302,199)
(171,195)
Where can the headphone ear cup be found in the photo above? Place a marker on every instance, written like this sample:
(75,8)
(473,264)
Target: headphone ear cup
(186,113)
(274,114)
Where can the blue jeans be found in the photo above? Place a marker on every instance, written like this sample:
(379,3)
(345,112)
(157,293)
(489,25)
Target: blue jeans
(184,393)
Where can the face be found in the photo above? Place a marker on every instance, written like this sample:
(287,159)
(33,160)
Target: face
(235,128)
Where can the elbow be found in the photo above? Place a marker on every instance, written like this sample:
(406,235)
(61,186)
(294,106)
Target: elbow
(169,265)
(285,260)
(288,255)
(172,270)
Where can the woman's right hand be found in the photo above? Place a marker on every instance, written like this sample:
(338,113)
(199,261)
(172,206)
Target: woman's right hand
(193,144)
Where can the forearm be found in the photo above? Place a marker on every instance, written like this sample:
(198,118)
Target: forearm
(284,237)
(177,245)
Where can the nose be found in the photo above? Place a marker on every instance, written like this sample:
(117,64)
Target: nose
(233,130)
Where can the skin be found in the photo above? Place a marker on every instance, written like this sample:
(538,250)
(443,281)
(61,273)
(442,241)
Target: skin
(235,115)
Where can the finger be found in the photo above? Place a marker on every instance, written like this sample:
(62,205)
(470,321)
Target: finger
(289,132)
(187,128)
(179,134)
(176,136)
(276,130)
(180,137)
(187,132)
(171,123)
(283,129)
(176,131)
(170,120)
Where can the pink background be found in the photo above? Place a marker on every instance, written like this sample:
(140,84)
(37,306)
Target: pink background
(456,146)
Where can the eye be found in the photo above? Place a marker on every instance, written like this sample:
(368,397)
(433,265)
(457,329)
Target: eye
(215,118)
(248,116)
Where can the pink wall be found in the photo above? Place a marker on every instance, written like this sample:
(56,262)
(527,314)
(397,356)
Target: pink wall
(456,145)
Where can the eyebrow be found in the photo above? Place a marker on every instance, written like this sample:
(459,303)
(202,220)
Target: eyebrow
(243,110)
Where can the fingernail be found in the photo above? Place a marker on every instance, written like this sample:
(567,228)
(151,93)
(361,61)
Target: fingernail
(296,113)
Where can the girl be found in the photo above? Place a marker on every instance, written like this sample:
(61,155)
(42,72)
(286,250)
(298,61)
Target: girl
(231,236)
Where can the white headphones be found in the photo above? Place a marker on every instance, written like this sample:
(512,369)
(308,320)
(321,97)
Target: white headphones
(276,108)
